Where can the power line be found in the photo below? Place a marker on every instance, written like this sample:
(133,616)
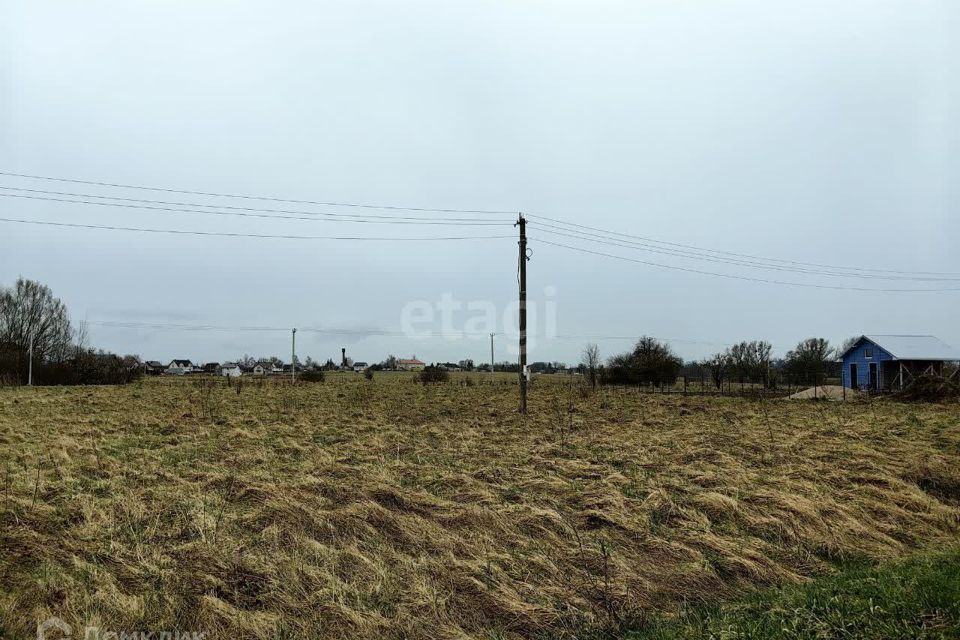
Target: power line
(251,197)
(654,245)
(603,337)
(637,246)
(347,217)
(742,255)
(123,324)
(227,234)
(737,277)
(248,215)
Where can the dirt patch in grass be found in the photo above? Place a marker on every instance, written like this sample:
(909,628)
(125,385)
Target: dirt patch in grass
(826,392)
(386,508)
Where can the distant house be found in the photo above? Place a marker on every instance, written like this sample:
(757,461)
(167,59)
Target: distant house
(360,366)
(212,367)
(265,369)
(411,365)
(179,367)
(231,370)
(892,362)
(153,368)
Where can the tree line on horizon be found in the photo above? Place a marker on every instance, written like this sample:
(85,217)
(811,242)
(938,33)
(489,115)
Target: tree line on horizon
(61,355)
(653,362)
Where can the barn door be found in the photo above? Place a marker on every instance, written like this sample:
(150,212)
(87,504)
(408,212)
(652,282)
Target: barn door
(854,383)
(874,380)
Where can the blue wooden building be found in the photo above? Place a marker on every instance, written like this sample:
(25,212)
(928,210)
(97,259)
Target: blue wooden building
(891,362)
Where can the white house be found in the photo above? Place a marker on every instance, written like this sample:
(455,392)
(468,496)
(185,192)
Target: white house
(179,367)
(360,366)
(265,369)
(230,370)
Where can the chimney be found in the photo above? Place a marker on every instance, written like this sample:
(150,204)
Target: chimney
(343,355)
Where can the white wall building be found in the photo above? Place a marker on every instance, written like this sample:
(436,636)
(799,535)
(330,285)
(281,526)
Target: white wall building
(179,367)
(231,370)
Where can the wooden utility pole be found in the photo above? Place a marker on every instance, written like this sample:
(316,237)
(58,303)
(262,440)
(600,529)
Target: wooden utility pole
(293,356)
(522,223)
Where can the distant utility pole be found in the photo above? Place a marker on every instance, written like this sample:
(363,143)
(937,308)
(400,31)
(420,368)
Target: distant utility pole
(491,351)
(293,356)
(30,365)
(522,223)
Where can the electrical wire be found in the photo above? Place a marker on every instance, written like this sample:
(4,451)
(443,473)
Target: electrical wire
(602,236)
(604,240)
(347,217)
(250,215)
(122,324)
(226,234)
(308,329)
(738,277)
(251,197)
(741,255)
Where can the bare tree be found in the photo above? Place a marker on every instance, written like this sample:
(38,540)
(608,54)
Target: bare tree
(748,361)
(846,345)
(28,311)
(809,360)
(718,364)
(591,360)
(81,337)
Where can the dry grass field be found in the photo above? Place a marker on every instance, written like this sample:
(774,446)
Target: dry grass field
(385,508)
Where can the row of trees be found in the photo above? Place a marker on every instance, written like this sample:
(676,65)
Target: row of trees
(810,362)
(652,362)
(33,321)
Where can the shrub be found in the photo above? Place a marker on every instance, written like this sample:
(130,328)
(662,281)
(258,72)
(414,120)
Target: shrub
(930,388)
(432,374)
(314,375)
(650,362)
(89,367)
(368,374)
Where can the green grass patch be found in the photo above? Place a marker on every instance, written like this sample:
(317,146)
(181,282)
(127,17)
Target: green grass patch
(917,598)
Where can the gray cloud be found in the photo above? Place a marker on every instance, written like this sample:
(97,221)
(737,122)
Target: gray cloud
(819,132)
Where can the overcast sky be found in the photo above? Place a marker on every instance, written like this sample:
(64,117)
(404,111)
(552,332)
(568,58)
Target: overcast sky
(819,132)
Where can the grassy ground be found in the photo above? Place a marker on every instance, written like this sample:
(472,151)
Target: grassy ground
(919,598)
(387,509)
